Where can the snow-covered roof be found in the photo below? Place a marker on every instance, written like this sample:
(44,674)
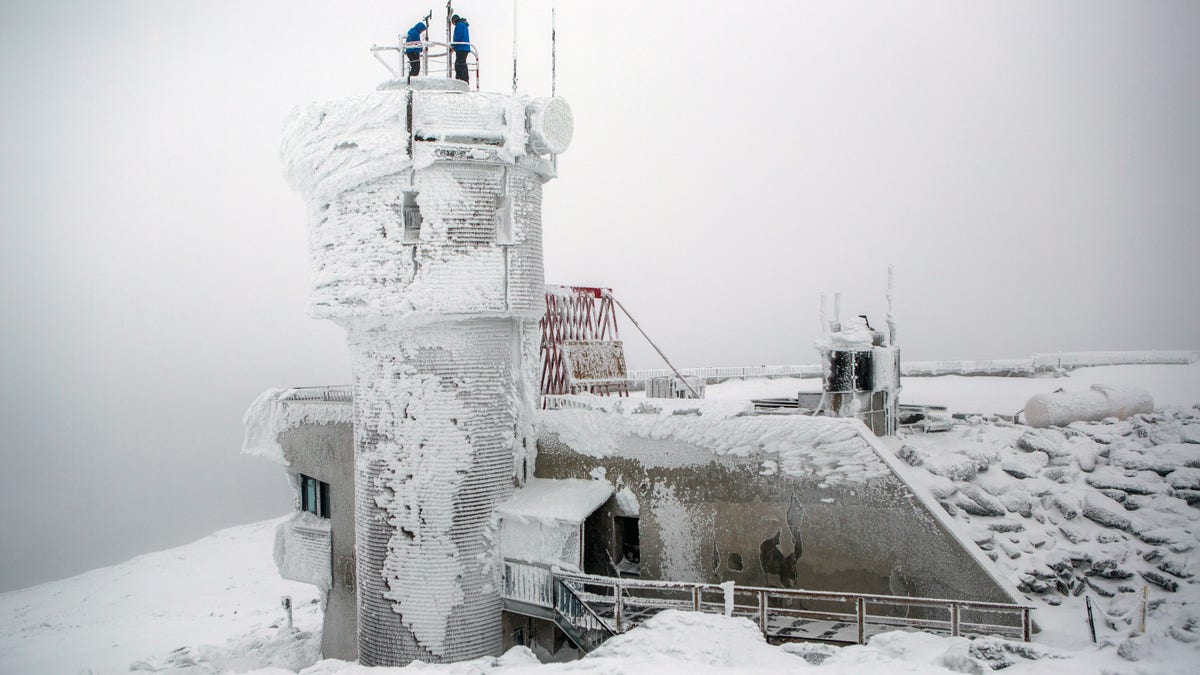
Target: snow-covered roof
(569,500)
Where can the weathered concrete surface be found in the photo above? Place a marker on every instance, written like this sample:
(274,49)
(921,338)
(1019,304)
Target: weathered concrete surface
(325,452)
(713,517)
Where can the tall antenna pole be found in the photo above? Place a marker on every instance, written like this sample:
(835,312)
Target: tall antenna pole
(891,299)
(514,46)
(553,55)
(449,47)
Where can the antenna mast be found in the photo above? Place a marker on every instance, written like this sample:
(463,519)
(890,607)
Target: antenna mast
(514,46)
(449,47)
(553,55)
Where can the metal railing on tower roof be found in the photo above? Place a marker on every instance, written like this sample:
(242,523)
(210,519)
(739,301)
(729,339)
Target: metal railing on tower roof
(432,54)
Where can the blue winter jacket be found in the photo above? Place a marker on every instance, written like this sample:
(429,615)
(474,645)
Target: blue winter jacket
(414,35)
(462,36)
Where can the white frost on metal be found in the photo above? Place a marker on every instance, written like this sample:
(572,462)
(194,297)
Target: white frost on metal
(552,125)
(853,335)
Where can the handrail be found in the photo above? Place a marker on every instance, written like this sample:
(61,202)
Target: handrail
(624,586)
(580,617)
(798,593)
(1038,363)
(445,52)
(337,393)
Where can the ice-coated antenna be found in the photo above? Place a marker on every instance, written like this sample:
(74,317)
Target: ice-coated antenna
(553,55)
(449,46)
(891,298)
(514,46)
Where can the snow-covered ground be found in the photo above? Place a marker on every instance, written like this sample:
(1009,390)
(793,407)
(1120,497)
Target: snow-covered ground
(1100,510)
(215,601)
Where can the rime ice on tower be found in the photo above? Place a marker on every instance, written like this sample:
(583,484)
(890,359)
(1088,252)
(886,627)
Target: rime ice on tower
(426,246)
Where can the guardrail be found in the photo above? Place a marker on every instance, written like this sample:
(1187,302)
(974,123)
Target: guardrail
(431,52)
(1038,363)
(336,393)
(577,618)
(529,583)
(730,372)
(777,610)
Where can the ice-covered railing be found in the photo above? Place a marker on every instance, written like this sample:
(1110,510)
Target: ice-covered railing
(1047,363)
(440,54)
(730,372)
(1038,363)
(612,605)
(335,393)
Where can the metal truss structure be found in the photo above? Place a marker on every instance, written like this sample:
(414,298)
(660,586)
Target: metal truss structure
(577,314)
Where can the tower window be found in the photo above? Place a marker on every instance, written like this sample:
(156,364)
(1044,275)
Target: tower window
(314,496)
(411,214)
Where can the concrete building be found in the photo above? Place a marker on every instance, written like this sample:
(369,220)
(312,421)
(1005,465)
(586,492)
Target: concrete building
(435,499)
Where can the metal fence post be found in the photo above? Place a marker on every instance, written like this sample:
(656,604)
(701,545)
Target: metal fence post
(954,619)
(860,611)
(1026,627)
(762,611)
(696,598)
(617,605)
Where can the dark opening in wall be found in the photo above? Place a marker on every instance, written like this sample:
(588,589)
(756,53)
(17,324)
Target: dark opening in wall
(628,544)
(314,496)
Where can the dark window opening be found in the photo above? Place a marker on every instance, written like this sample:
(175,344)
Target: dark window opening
(628,544)
(314,496)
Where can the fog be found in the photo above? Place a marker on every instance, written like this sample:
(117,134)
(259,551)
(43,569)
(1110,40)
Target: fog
(1030,168)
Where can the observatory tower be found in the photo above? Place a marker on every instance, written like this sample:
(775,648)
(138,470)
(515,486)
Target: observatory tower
(426,246)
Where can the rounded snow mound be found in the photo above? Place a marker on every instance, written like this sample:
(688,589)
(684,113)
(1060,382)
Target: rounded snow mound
(701,639)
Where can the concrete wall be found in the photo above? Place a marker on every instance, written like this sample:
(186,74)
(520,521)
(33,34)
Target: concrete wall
(325,452)
(701,513)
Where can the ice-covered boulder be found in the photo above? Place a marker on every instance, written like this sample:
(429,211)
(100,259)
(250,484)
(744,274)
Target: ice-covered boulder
(1141,483)
(1190,433)
(1026,465)
(1104,510)
(1184,479)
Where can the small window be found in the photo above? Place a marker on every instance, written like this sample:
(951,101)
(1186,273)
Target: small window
(314,496)
(411,214)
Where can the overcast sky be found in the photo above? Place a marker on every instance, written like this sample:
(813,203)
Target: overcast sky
(1032,169)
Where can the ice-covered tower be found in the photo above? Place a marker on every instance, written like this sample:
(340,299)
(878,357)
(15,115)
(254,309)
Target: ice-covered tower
(426,246)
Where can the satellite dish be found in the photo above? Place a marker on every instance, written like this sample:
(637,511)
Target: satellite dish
(551,126)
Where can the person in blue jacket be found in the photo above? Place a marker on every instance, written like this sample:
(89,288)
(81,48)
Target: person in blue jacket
(462,47)
(414,52)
